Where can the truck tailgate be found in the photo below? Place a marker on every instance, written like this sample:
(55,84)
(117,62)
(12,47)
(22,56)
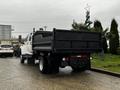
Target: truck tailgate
(65,41)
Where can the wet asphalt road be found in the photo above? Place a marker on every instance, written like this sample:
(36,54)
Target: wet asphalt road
(15,76)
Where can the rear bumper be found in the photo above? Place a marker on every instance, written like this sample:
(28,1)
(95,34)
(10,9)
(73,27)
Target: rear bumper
(6,51)
(77,63)
(80,63)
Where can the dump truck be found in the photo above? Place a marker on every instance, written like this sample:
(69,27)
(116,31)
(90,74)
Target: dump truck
(60,48)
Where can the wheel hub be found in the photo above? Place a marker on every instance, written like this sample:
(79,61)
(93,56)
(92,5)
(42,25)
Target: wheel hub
(41,65)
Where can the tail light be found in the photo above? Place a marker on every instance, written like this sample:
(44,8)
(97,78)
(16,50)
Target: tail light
(65,59)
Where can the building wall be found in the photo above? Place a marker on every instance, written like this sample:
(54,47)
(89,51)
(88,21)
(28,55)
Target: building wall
(5,32)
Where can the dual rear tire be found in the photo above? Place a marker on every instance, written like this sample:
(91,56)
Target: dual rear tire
(43,65)
(48,65)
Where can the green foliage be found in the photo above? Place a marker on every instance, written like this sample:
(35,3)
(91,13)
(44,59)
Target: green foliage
(114,37)
(79,26)
(98,28)
(110,63)
(97,25)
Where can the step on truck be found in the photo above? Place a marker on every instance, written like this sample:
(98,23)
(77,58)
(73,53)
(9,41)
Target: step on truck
(60,48)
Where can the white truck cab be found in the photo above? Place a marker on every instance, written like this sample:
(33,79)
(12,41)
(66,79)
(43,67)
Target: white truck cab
(26,48)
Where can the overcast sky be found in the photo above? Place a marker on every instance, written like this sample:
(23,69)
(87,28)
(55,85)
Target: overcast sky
(23,15)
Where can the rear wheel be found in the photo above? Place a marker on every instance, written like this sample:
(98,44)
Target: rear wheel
(41,65)
(44,66)
(54,61)
(48,64)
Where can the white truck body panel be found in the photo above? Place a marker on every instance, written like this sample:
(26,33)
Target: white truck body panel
(26,48)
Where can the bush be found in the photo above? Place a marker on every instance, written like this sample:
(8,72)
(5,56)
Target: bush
(118,50)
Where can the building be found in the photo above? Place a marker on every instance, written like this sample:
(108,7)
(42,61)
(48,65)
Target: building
(6,35)
(5,32)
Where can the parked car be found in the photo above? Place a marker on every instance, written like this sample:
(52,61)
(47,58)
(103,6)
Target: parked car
(6,50)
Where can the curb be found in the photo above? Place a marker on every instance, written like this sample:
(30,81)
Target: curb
(105,72)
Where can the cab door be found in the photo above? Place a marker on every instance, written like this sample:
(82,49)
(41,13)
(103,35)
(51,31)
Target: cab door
(29,43)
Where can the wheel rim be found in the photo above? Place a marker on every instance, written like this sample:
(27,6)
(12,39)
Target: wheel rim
(41,65)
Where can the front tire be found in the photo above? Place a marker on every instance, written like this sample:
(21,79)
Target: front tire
(22,59)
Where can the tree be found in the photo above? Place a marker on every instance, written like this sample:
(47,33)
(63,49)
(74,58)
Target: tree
(79,26)
(98,28)
(83,26)
(114,37)
(97,25)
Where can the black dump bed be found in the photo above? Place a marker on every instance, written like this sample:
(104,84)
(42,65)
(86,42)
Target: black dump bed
(66,41)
